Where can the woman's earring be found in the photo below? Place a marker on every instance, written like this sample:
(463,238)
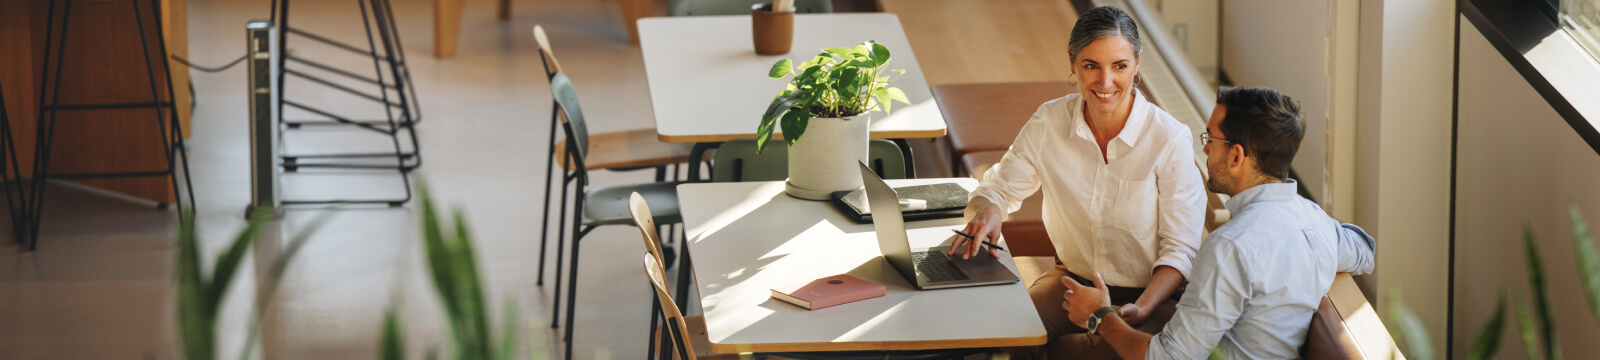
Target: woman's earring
(1072,80)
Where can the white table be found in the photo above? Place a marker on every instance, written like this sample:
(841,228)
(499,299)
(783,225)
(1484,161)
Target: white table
(708,85)
(746,238)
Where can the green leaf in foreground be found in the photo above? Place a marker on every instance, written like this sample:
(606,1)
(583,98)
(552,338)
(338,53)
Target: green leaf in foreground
(1488,342)
(1409,327)
(1536,283)
(1530,335)
(392,346)
(1588,261)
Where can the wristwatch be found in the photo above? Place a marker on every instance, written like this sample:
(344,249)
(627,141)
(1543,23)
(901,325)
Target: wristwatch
(1094,319)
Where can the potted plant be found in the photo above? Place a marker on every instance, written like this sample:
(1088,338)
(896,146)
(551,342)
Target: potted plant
(829,97)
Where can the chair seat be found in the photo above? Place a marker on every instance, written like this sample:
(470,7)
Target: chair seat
(987,117)
(697,337)
(627,149)
(608,205)
(1024,229)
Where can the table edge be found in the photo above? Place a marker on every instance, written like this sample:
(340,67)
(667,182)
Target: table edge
(881,345)
(713,138)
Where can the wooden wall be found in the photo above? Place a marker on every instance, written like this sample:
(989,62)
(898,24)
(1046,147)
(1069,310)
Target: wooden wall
(104,64)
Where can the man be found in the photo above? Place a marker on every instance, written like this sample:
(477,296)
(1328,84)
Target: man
(1256,280)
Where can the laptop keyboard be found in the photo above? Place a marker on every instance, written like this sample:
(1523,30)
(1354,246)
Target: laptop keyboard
(936,267)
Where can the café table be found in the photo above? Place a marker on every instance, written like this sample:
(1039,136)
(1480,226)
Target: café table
(707,85)
(748,237)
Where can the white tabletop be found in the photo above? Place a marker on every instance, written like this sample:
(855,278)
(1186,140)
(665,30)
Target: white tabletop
(746,238)
(708,85)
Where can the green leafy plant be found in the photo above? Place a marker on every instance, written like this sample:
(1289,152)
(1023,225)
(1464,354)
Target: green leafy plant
(453,267)
(1536,327)
(836,83)
(200,295)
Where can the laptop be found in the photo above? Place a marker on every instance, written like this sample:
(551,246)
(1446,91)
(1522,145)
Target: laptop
(927,268)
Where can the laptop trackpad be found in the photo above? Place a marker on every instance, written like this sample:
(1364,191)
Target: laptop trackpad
(977,264)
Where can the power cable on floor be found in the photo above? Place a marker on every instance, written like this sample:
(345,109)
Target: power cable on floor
(186,62)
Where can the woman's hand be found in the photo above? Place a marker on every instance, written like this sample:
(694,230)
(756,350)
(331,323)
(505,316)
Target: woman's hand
(1133,314)
(983,223)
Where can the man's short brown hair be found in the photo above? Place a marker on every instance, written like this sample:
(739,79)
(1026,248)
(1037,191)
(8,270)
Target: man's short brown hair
(1266,123)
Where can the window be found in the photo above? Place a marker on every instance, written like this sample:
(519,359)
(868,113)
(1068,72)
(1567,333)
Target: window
(1581,19)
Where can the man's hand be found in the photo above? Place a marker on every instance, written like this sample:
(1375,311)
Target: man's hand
(1082,301)
(1133,314)
(984,225)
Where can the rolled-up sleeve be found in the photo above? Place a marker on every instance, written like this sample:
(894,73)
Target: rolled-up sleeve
(1181,206)
(1355,249)
(1016,178)
(1214,300)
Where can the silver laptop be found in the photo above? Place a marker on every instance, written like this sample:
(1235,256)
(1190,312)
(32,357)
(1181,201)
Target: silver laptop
(929,269)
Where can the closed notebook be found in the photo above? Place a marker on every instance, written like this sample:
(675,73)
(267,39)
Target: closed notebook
(943,200)
(828,291)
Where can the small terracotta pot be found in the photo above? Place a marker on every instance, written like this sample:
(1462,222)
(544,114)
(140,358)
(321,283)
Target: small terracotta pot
(773,31)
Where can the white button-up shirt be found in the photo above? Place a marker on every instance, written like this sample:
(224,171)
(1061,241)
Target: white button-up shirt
(1122,219)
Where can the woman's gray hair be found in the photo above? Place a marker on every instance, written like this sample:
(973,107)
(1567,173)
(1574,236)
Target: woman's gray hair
(1101,22)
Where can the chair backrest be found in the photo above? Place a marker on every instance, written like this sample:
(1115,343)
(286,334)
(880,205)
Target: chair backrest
(646,224)
(739,7)
(551,66)
(571,117)
(736,160)
(675,323)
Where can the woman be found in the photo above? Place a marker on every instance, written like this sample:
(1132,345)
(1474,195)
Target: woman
(1123,198)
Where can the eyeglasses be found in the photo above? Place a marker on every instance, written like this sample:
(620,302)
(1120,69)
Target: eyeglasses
(1206,139)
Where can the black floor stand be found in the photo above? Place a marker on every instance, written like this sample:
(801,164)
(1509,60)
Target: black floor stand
(166,119)
(395,94)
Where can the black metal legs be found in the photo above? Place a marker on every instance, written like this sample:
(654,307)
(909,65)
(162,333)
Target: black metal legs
(166,121)
(394,93)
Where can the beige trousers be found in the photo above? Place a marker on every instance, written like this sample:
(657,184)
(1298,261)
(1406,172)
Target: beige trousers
(1067,340)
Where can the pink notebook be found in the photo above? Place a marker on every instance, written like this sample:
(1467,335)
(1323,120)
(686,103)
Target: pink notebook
(828,291)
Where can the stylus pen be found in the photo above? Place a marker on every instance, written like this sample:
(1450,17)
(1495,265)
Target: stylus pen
(985,242)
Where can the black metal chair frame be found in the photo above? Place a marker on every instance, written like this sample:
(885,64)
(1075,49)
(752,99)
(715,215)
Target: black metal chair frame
(49,106)
(396,93)
(11,174)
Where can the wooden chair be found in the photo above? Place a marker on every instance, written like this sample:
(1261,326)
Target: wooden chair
(663,304)
(594,206)
(616,151)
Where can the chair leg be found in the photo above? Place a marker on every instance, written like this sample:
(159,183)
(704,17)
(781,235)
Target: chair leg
(544,226)
(655,311)
(561,232)
(572,273)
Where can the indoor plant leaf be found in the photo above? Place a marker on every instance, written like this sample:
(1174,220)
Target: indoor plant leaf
(1488,342)
(392,345)
(1530,335)
(794,125)
(1536,283)
(880,54)
(228,262)
(1588,261)
(783,67)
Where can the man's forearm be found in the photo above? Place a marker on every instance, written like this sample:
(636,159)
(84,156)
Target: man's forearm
(1129,343)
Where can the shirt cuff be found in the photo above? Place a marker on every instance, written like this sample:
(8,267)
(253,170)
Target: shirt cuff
(1177,261)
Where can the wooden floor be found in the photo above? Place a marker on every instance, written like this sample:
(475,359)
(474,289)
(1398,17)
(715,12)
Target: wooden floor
(100,285)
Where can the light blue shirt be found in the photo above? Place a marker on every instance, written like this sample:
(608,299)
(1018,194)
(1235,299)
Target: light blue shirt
(1258,279)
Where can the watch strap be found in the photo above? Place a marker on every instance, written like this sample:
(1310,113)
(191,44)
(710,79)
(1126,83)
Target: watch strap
(1095,319)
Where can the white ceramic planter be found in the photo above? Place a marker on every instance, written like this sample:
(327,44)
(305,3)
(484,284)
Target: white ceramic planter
(824,159)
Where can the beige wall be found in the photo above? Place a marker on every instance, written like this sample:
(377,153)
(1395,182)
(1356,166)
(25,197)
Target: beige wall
(1406,55)
(1285,45)
(1517,161)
